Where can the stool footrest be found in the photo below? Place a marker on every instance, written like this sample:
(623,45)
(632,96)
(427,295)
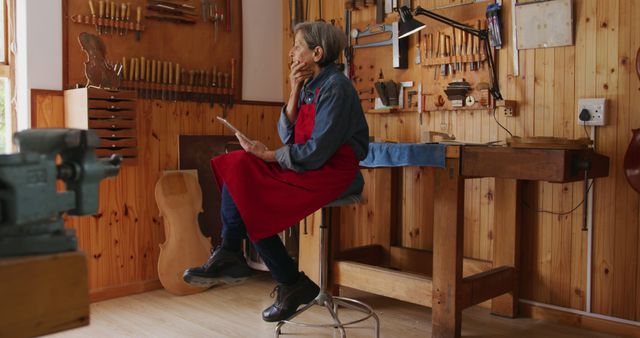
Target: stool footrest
(331,304)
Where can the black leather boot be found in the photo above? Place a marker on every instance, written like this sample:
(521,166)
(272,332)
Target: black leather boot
(223,266)
(289,298)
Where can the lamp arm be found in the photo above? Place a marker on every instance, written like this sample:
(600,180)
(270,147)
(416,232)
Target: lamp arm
(421,11)
(495,88)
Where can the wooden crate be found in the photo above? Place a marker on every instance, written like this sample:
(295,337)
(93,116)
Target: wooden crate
(43,294)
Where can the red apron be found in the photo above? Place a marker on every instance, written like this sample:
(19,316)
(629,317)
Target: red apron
(271,199)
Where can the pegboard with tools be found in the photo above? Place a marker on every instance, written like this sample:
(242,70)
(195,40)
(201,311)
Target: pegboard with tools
(162,49)
(439,68)
(455,71)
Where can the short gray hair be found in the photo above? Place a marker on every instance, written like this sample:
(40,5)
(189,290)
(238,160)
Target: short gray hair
(329,37)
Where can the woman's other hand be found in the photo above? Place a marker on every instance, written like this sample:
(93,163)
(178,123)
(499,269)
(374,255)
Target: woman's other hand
(256,148)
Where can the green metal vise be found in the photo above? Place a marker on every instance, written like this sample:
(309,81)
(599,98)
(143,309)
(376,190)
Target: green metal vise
(31,208)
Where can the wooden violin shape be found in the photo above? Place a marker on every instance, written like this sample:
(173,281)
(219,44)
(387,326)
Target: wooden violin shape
(98,71)
(179,199)
(632,161)
(638,63)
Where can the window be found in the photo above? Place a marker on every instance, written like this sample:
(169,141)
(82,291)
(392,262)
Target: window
(6,129)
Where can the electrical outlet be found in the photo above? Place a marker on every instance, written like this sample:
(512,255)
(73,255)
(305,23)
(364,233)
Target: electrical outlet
(595,112)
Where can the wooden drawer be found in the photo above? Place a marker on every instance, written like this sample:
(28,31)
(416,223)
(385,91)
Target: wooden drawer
(111,124)
(112,105)
(126,153)
(116,133)
(96,93)
(118,143)
(107,114)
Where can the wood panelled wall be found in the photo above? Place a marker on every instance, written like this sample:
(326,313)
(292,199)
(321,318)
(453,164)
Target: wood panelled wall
(121,241)
(554,250)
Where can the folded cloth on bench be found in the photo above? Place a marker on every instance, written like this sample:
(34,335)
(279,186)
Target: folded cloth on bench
(405,154)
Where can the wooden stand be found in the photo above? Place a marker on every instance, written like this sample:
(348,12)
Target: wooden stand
(43,294)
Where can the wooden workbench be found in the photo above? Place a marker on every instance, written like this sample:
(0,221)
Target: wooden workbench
(452,282)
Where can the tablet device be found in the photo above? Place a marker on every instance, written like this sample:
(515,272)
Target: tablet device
(233,128)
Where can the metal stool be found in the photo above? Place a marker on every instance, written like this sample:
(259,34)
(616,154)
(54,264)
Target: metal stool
(325,299)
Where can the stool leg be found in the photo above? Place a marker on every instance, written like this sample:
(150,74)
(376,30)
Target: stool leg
(324,248)
(338,324)
(325,299)
(279,329)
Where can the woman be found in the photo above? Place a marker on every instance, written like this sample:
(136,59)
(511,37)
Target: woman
(325,135)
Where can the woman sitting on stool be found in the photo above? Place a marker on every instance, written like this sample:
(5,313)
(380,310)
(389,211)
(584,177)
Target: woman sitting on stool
(264,191)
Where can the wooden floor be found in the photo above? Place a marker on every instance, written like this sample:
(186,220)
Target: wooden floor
(234,311)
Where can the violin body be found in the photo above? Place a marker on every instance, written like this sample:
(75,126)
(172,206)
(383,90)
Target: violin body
(632,161)
(98,71)
(638,63)
(179,199)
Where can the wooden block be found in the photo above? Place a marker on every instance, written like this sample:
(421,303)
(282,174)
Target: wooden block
(43,294)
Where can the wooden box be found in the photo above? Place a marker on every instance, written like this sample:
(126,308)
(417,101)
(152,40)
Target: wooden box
(43,294)
(112,114)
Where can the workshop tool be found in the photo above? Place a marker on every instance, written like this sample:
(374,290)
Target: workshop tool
(138,19)
(372,30)
(216,17)
(400,55)
(420,102)
(171,10)
(154,78)
(348,52)
(93,15)
(123,19)
(456,92)
(450,51)
(113,16)
(170,18)
(205,10)
(117,16)
(380,11)
(483,25)
(442,52)
(165,78)
(128,20)
(416,58)
(228,15)
(391,91)
(100,16)
(382,92)
(107,12)
(477,45)
(410,95)
(32,206)
(123,74)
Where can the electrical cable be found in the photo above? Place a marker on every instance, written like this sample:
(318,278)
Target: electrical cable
(558,213)
(498,122)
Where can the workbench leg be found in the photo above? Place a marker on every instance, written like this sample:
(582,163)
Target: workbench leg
(448,234)
(506,241)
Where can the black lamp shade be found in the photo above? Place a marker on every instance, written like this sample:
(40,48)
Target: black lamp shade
(408,25)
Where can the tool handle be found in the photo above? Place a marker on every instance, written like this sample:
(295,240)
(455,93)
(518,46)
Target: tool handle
(93,11)
(142,68)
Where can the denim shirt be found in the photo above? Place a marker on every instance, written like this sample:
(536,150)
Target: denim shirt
(339,120)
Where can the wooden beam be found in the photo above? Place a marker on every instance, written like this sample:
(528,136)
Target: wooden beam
(368,254)
(506,243)
(448,234)
(487,285)
(421,261)
(404,286)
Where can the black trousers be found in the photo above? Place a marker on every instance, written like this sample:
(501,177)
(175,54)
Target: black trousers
(271,249)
